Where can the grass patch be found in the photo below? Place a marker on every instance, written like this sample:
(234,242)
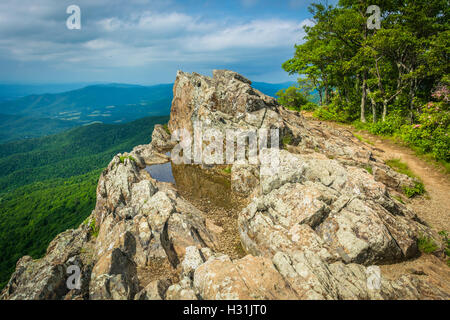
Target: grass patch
(402,167)
(426,245)
(122,158)
(227,170)
(94,229)
(369,169)
(417,190)
(166,127)
(399,199)
(362,139)
(287,139)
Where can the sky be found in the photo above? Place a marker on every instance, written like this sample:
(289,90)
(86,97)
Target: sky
(147,41)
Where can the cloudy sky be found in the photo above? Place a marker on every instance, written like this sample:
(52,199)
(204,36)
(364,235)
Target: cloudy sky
(147,41)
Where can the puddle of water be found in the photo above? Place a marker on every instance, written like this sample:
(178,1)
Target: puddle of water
(194,182)
(161,172)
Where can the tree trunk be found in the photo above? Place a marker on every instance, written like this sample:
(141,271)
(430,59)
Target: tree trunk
(327,94)
(363,99)
(412,95)
(385,103)
(374,107)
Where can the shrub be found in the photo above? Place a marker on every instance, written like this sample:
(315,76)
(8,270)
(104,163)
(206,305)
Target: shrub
(431,133)
(388,127)
(94,229)
(166,128)
(292,98)
(417,190)
(337,110)
(426,244)
(446,239)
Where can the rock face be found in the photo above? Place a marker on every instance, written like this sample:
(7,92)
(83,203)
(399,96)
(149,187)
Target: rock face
(317,229)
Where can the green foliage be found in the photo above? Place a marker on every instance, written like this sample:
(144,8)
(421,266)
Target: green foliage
(400,166)
(336,110)
(369,169)
(394,80)
(426,244)
(31,216)
(446,240)
(74,152)
(362,139)
(387,127)
(292,98)
(431,133)
(417,190)
(287,139)
(94,229)
(166,128)
(48,184)
(227,170)
(122,158)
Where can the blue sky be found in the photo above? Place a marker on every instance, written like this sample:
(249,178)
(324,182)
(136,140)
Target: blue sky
(145,41)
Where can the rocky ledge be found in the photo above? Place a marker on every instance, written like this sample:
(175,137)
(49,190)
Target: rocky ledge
(317,229)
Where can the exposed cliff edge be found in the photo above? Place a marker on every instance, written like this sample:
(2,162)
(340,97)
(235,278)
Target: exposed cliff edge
(313,230)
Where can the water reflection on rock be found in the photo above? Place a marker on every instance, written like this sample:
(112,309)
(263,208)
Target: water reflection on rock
(161,172)
(201,184)
(195,183)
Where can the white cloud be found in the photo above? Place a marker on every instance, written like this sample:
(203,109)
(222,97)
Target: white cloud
(142,36)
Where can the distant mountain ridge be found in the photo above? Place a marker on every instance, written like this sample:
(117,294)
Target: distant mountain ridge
(112,103)
(38,115)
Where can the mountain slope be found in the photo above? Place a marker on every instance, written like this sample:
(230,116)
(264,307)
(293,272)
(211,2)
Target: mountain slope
(43,114)
(16,91)
(48,184)
(110,103)
(74,152)
(17,127)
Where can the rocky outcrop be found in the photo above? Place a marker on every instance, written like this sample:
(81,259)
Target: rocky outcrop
(318,228)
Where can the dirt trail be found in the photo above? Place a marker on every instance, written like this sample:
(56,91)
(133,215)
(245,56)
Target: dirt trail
(434,207)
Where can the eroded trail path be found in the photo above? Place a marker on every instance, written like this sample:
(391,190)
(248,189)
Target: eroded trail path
(434,207)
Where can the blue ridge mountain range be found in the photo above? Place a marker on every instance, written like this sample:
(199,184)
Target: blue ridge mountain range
(39,114)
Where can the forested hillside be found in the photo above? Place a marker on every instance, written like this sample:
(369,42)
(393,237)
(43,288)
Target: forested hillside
(392,81)
(17,127)
(40,115)
(48,184)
